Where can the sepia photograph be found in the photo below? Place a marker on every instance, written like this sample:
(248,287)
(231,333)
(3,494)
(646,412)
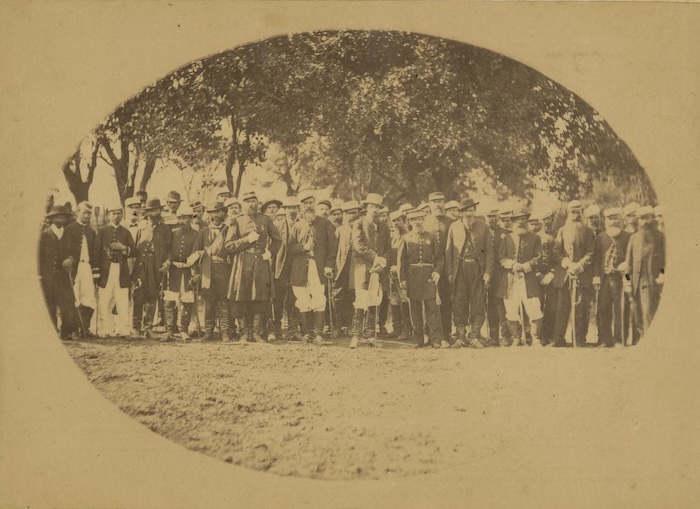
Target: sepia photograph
(366,254)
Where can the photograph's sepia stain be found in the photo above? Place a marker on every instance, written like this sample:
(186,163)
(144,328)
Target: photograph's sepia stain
(245,255)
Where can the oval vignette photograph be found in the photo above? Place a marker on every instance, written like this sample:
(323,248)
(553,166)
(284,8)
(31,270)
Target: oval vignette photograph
(353,255)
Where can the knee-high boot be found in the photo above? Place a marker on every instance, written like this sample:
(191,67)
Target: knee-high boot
(357,320)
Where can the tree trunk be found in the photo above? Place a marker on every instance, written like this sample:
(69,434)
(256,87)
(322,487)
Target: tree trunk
(71,171)
(241,164)
(147,172)
(232,153)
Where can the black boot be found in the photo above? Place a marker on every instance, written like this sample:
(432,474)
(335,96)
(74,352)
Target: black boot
(170,317)
(185,318)
(370,327)
(86,315)
(225,322)
(257,331)
(357,320)
(318,317)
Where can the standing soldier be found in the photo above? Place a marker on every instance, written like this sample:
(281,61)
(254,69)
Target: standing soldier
(153,243)
(132,222)
(284,297)
(114,246)
(469,258)
(198,216)
(56,252)
(223,195)
(254,240)
(573,255)
(232,209)
(438,224)
(398,299)
(545,276)
(592,215)
(608,267)
(179,281)
(312,248)
(645,264)
(499,223)
(88,269)
(214,273)
(520,254)
(344,281)
(371,246)
(383,312)
(420,261)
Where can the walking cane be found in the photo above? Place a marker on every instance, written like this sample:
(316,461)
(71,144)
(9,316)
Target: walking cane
(330,303)
(523,335)
(196,310)
(572,317)
(76,304)
(437,303)
(486,312)
(97,311)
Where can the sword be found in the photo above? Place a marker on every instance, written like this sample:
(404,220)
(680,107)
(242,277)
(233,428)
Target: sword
(572,317)
(437,303)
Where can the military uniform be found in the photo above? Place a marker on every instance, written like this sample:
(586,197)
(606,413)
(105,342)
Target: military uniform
(153,247)
(344,283)
(284,298)
(419,255)
(439,226)
(214,268)
(179,286)
(520,255)
(87,270)
(498,324)
(608,268)
(115,281)
(548,293)
(469,256)
(250,287)
(55,247)
(398,299)
(307,272)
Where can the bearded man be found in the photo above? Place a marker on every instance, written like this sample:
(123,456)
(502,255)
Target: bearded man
(573,256)
(312,247)
(608,268)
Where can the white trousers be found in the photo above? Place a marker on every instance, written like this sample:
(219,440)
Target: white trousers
(84,286)
(181,297)
(311,297)
(112,295)
(518,294)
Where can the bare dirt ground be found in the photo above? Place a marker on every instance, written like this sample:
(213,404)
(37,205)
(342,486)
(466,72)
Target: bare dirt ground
(334,413)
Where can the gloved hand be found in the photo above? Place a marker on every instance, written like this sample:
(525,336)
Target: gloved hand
(68,263)
(547,279)
(487,280)
(267,255)
(660,280)
(117,246)
(309,246)
(165,266)
(596,283)
(380,262)
(402,285)
(517,267)
(435,277)
(252,237)
(328,272)
(627,287)
(394,270)
(195,279)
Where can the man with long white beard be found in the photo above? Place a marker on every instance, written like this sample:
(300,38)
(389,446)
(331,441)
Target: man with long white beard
(573,256)
(312,247)
(520,254)
(371,245)
(645,264)
(610,251)
(254,240)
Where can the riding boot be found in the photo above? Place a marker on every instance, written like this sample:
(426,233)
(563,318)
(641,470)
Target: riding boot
(357,320)
(170,324)
(395,320)
(243,327)
(307,324)
(514,329)
(186,317)
(370,324)
(225,321)
(86,314)
(318,319)
(258,321)
(536,332)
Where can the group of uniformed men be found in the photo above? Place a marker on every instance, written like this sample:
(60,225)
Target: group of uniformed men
(437,269)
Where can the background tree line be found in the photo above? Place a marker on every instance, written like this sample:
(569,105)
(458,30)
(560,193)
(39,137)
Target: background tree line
(393,112)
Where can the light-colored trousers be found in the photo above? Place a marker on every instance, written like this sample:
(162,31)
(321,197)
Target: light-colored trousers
(311,297)
(112,295)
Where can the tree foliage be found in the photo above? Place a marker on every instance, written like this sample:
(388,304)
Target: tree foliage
(393,112)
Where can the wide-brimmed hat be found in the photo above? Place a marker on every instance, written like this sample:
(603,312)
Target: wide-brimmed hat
(153,204)
(395,215)
(467,203)
(646,210)
(173,196)
(374,199)
(270,202)
(336,207)
(631,208)
(197,205)
(351,205)
(405,207)
(436,196)
(422,206)
(58,210)
(291,201)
